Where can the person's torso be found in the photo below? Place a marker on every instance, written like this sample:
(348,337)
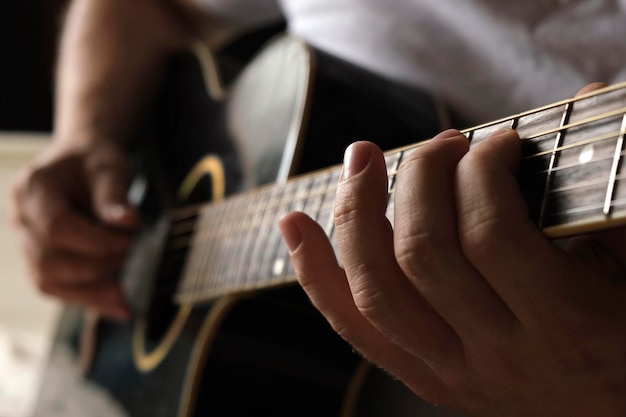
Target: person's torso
(487,58)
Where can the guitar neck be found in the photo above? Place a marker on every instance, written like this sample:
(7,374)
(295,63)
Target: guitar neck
(570,175)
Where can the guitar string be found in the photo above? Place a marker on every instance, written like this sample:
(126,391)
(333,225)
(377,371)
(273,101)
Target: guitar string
(591,140)
(195,211)
(218,287)
(596,93)
(613,113)
(223,230)
(182,211)
(584,184)
(186,213)
(261,283)
(251,209)
(215,289)
(572,165)
(279,200)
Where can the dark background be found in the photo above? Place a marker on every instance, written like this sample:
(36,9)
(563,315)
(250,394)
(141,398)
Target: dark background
(28,43)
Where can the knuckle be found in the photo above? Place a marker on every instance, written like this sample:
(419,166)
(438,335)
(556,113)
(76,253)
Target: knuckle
(426,158)
(347,211)
(95,272)
(418,161)
(425,153)
(418,253)
(106,160)
(370,302)
(477,160)
(99,165)
(481,233)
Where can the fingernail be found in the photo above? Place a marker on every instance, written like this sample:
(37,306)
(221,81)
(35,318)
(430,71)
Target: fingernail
(291,234)
(448,134)
(120,215)
(504,132)
(355,159)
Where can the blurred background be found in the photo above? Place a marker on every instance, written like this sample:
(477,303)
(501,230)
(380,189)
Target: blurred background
(27,320)
(27,63)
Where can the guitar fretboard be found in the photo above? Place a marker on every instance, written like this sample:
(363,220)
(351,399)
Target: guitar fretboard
(570,176)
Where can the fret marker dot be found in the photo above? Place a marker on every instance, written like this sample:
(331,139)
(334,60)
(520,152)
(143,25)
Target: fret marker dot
(279,266)
(586,155)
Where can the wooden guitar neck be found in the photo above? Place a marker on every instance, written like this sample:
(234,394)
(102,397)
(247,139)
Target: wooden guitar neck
(570,175)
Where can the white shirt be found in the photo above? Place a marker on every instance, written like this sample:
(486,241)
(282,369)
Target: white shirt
(486,58)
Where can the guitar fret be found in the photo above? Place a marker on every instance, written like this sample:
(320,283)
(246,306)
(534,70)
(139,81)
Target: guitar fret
(256,258)
(256,216)
(316,196)
(313,204)
(197,265)
(227,261)
(482,134)
(584,161)
(558,141)
(282,261)
(614,170)
(587,183)
(514,122)
(577,144)
(252,215)
(270,262)
(585,153)
(219,238)
(327,218)
(570,176)
(224,235)
(303,188)
(192,264)
(393,164)
(242,225)
(200,237)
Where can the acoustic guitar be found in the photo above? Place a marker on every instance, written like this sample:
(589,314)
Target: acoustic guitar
(220,327)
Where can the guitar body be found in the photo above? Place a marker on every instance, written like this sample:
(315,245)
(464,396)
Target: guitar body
(263,353)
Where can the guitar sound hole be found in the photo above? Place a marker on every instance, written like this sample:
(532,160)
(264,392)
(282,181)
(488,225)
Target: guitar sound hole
(162,310)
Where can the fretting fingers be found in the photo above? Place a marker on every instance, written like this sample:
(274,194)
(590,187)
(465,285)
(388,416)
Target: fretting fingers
(325,283)
(427,245)
(494,228)
(380,290)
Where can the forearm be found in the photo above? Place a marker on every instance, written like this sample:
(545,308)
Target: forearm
(110,61)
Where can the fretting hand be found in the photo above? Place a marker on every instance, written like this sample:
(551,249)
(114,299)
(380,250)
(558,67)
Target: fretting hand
(465,301)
